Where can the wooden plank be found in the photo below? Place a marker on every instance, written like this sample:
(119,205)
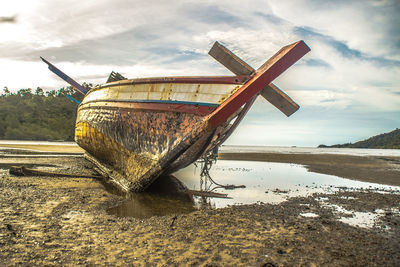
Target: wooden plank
(230,60)
(271,92)
(279,99)
(271,69)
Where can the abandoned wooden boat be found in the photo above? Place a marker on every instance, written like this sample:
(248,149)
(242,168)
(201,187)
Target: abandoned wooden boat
(140,129)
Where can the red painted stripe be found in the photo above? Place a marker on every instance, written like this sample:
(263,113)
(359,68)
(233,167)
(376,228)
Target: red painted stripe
(185,108)
(199,80)
(271,69)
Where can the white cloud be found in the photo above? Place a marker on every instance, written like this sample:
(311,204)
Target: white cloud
(35,72)
(362,25)
(343,82)
(345,70)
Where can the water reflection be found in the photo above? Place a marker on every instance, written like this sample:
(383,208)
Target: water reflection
(264,182)
(165,196)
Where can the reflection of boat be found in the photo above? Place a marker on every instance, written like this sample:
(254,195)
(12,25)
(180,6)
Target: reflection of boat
(143,128)
(165,196)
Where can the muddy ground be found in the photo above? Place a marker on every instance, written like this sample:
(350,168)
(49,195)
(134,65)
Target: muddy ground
(64,221)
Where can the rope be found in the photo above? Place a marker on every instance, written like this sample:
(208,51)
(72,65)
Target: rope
(206,164)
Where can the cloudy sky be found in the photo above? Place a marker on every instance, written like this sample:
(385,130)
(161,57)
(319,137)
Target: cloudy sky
(348,86)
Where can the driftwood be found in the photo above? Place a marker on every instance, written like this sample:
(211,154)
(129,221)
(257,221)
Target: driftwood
(207,194)
(23,171)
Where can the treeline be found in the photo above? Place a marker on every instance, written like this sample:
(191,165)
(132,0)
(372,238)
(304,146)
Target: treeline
(389,140)
(38,115)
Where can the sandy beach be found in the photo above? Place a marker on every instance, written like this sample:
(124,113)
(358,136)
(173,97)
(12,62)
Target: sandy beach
(64,221)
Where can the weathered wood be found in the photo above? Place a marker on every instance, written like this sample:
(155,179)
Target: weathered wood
(108,173)
(279,99)
(23,171)
(79,88)
(271,92)
(230,60)
(271,69)
(115,76)
(207,194)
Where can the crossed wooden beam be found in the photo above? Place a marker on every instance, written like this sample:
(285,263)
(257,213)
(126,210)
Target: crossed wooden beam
(270,92)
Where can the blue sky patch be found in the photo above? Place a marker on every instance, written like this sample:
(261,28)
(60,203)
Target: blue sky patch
(343,48)
(312,62)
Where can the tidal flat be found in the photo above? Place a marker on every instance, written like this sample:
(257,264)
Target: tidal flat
(56,220)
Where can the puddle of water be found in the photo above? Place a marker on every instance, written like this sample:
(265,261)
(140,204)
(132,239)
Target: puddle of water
(309,215)
(165,196)
(268,182)
(310,150)
(264,182)
(361,219)
(358,218)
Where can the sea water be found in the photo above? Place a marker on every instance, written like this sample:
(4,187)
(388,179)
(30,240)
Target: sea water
(263,182)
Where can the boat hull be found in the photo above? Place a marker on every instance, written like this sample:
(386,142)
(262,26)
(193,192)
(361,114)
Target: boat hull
(140,144)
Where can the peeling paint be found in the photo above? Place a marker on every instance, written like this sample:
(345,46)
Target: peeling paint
(139,144)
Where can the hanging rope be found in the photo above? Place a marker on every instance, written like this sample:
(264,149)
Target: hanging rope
(206,162)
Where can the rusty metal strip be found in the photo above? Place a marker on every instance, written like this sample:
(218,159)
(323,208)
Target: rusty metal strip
(271,69)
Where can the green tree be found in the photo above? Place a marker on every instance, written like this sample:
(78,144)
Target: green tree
(39,91)
(6,91)
(38,116)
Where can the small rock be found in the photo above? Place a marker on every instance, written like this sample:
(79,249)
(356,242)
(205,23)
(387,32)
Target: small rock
(280,251)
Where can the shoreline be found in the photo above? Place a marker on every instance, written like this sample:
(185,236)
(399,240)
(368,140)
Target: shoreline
(65,221)
(367,168)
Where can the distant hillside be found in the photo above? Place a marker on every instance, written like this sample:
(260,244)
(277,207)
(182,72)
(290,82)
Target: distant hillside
(25,115)
(389,140)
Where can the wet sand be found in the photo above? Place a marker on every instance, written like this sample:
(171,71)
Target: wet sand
(64,221)
(45,148)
